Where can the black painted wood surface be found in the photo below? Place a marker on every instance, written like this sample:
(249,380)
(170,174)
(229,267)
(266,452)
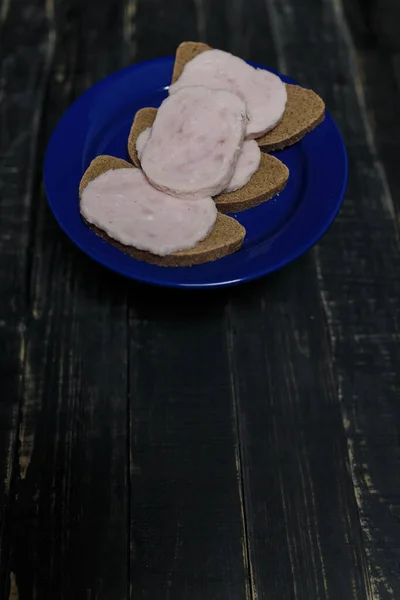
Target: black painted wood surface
(235,445)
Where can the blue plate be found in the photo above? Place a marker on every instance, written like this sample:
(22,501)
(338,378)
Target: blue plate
(278,231)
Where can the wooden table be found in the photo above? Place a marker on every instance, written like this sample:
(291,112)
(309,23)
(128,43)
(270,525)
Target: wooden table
(242,444)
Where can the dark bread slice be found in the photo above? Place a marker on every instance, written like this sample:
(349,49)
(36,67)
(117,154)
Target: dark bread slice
(304,109)
(270,178)
(226,237)
(144,118)
(100,165)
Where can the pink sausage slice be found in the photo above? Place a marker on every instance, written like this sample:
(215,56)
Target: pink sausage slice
(122,203)
(195,142)
(247,164)
(142,141)
(264,93)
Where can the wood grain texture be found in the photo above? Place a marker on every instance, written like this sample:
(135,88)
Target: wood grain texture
(237,445)
(65,533)
(372,28)
(187,521)
(23,50)
(300,508)
(358,266)
(162,26)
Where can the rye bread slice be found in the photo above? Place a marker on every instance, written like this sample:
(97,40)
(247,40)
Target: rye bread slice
(144,118)
(304,109)
(100,165)
(270,178)
(226,237)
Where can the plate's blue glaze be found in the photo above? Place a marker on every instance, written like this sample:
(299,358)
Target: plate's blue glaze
(278,231)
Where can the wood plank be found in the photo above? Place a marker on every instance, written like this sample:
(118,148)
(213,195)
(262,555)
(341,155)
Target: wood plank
(237,29)
(66,527)
(302,523)
(257,43)
(213,23)
(396,67)
(162,26)
(385,19)
(23,50)
(358,265)
(376,62)
(187,529)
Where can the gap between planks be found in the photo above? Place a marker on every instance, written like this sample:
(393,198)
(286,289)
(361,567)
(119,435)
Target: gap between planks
(250,588)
